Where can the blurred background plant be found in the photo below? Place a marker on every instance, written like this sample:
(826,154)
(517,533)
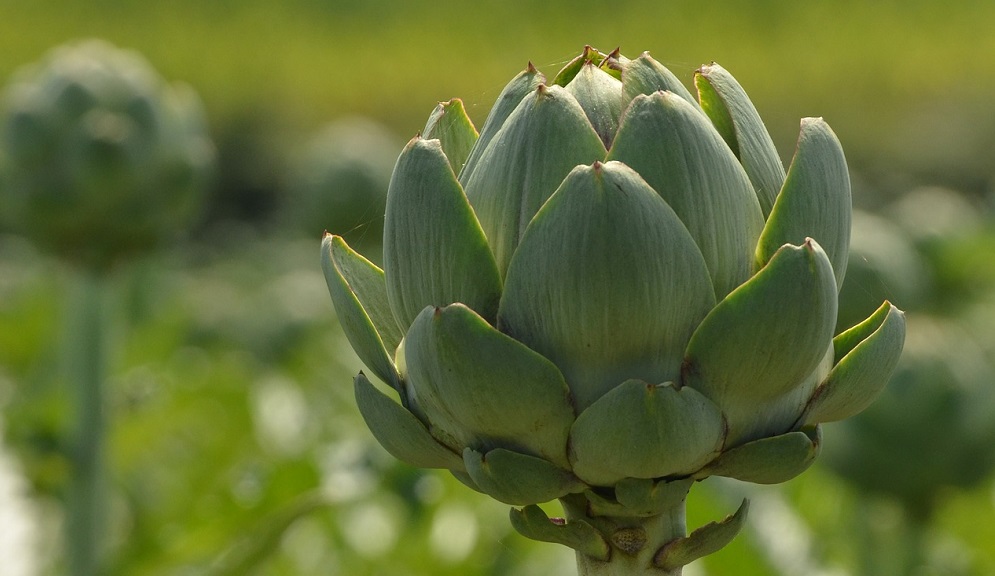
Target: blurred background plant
(236,450)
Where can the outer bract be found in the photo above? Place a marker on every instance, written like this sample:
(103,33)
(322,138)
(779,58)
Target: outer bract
(98,157)
(611,291)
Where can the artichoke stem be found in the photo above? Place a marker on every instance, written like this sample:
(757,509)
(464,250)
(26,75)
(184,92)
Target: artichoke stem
(634,541)
(85,354)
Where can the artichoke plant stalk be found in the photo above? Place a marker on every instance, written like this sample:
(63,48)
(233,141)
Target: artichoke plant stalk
(86,362)
(99,161)
(610,292)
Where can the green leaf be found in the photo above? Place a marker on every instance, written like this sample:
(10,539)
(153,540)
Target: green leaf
(482,389)
(359,295)
(610,63)
(640,430)
(606,283)
(644,75)
(706,540)
(509,98)
(766,337)
(543,139)
(399,431)
(737,120)
(450,125)
(768,460)
(814,201)
(518,479)
(434,250)
(640,497)
(864,369)
(600,95)
(651,497)
(679,153)
(533,523)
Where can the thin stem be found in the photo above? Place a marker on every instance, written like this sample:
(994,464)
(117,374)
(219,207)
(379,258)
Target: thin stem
(634,541)
(86,364)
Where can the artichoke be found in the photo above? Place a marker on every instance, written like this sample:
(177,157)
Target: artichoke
(339,183)
(100,158)
(610,292)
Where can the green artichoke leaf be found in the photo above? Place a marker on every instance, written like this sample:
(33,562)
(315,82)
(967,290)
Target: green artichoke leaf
(435,252)
(870,353)
(680,154)
(600,95)
(814,201)
(481,389)
(639,497)
(706,540)
(518,479)
(640,430)
(737,120)
(644,75)
(643,497)
(533,523)
(359,294)
(610,63)
(464,478)
(768,460)
(399,431)
(541,141)
(509,98)
(607,283)
(765,338)
(450,125)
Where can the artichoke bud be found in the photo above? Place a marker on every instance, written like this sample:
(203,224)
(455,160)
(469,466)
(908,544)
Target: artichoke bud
(620,292)
(103,158)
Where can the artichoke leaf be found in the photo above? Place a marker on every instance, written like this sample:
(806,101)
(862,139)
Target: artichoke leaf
(680,154)
(450,125)
(483,389)
(644,497)
(814,201)
(725,102)
(600,95)
(768,460)
(863,371)
(592,56)
(607,283)
(766,337)
(518,479)
(359,295)
(644,75)
(546,136)
(435,252)
(706,540)
(640,430)
(399,431)
(533,523)
(509,98)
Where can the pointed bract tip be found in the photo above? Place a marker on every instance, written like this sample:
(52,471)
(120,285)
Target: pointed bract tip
(530,69)
(616,52)
(705,69)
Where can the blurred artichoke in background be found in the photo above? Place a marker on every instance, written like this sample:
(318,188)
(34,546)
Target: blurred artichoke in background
(937,410)
(612,291)
(932,429)
(340,182)
(100,158)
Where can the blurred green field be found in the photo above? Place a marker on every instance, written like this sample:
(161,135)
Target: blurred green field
(906,84)
(236,447)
